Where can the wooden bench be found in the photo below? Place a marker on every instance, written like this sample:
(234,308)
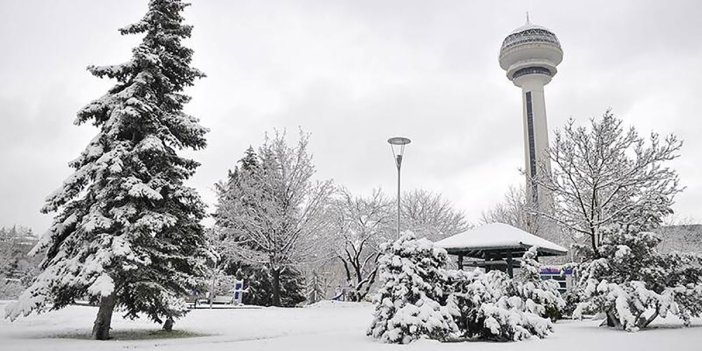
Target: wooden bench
(227,300)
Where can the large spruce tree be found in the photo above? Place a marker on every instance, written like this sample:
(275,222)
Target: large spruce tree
(127,231)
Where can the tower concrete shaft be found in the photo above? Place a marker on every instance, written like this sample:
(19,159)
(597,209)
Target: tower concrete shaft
(535,138)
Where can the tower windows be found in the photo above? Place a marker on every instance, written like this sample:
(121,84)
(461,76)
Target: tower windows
(528,36)
(532,147)
(531,70)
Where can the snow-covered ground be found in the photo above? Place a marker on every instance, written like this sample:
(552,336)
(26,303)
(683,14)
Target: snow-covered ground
(325,326)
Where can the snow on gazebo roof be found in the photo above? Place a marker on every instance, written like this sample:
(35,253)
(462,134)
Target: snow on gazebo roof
(497,237)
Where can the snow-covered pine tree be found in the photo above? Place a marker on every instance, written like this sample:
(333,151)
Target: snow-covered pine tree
(127,232)
(316,288)
(227,230)
(259,284)
(228,191)
(493,306)
(485,306)
(633,284)
(223,235)
(419,298)
(540,296)
(409,303)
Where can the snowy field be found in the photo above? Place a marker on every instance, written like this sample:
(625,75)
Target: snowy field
(325,326)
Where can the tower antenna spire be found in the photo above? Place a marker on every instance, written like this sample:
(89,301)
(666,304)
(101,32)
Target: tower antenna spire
(527,16)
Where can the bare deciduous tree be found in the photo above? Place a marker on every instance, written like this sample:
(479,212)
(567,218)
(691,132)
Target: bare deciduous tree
(361,225)
(516,211)
(604,175)
(513,210)
(430,215)
(279,218)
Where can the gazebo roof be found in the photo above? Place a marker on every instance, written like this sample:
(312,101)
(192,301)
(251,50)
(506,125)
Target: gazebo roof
(498,237)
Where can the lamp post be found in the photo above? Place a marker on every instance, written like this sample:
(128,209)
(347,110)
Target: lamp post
(397,145)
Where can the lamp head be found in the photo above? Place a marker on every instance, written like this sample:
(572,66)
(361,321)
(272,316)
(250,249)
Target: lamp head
(399,141)
(397,145)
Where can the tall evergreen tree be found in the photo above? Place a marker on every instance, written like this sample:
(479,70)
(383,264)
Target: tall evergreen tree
(250,160)
(127,231)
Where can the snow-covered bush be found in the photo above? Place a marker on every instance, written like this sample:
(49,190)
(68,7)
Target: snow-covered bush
(481,308)
(494,306)
(633,284)
(410,300)
(418,298)
(544,293)
(572,299)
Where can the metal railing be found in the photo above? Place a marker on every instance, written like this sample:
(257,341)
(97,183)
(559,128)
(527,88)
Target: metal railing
(530,36)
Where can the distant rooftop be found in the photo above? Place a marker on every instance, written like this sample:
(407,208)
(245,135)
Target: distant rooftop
(682,238)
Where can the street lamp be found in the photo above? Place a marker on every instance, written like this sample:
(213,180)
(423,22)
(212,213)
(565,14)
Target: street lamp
(397,145)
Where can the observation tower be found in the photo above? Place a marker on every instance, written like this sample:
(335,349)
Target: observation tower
(530,55)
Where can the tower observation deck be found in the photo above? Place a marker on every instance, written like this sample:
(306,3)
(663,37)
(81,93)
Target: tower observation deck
(530,55)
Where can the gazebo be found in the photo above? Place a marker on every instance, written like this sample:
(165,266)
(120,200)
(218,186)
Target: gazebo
(496,246)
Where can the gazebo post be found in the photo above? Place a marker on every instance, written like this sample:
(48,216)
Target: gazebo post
(510,271)
(487,259)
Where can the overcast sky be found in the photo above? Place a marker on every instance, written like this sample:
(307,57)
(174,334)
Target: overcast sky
(354,73)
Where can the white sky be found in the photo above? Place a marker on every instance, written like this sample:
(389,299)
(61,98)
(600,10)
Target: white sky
(354,73)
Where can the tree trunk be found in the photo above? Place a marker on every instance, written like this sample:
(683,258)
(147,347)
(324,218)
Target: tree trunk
(168,325)
(370,283)
(275,275)
(593,242)
(645,322)
(612,320)
(101,328)
(212,285)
